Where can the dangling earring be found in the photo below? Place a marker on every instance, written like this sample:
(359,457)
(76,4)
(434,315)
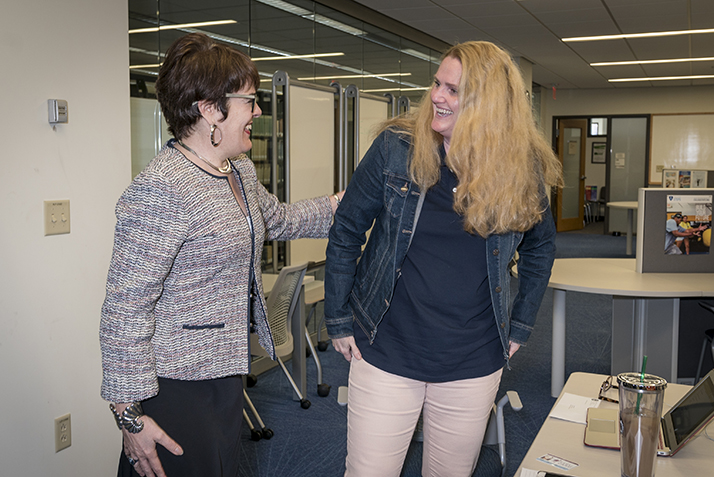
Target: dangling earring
(215,128)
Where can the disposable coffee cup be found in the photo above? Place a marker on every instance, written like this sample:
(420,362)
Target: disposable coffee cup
(641,400)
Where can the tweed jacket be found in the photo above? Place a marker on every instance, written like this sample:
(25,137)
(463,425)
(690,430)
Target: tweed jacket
(177,297)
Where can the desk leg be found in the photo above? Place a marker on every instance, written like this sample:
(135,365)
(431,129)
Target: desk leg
(557,371)
(298,330)
(645,326)
(630,218)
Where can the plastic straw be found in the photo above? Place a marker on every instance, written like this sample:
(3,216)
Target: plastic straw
(642,380)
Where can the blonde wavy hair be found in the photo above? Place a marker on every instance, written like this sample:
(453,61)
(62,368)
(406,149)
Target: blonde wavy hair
(503,163)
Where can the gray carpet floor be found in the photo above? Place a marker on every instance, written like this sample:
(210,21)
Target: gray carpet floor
(312,442)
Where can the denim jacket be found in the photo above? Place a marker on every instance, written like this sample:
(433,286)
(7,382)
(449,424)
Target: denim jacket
(359,285)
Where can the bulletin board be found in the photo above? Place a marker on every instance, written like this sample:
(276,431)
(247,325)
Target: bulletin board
(655,207)
(680,141)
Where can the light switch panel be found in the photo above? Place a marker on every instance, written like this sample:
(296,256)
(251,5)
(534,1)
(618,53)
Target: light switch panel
(56,217)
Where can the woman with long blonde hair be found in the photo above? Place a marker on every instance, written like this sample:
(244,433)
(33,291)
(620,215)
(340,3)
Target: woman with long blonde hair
(451,192)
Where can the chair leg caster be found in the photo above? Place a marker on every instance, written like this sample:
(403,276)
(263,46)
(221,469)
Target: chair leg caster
(323,390)
(255,435)
(267,433)
(305,404)
(322,345)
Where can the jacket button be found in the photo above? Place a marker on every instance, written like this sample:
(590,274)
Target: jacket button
(495,252)
(498,289)
(503,325)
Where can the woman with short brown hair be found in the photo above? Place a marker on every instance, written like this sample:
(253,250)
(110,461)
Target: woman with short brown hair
(184,282)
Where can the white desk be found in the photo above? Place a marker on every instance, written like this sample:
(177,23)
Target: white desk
(645,312)
(565,439)
(631,206)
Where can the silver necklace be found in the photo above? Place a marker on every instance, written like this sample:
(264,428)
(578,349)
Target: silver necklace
(226,169)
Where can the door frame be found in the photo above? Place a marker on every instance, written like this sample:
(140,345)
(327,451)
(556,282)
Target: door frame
(571,223)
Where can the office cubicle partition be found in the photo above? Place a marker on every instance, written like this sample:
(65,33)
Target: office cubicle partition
(629,143)
(149,132)
(364,113)
(303,153)
(656,207)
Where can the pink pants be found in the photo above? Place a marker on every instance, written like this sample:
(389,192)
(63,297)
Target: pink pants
(383,410)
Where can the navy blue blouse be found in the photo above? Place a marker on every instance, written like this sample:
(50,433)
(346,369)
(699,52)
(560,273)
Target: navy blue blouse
(440,325)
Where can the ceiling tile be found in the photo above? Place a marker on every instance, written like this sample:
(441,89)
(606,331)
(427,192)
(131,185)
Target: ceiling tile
(584,28)
(460,35)
(661,47)
(420,13)
(567,16)
(379,5)
(528,28)
(540,6)
(502,20)
(476,9)
(599,51)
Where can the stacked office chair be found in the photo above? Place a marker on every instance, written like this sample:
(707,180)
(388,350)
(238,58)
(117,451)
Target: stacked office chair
(281,304)
(602,201)
(587,211)
(495,437)
(708,340)
(492,459)
(315,294)
(256,434)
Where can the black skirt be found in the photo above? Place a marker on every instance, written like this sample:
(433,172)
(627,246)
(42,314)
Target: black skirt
(205,418)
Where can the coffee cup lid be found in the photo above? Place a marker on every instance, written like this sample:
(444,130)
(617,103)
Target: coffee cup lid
(650,382)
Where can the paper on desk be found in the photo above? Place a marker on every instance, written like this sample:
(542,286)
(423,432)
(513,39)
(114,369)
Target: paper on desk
(528,473)
(574,408)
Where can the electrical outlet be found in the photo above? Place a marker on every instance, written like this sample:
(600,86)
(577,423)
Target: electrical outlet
(63,432)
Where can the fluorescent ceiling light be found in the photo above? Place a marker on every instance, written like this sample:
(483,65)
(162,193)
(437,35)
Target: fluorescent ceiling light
(134,67)
(661,78)
(308,78)
(420,55)
(651,62)
(308,15)
(385,90)
(296,57)
(637,35)
(181,25)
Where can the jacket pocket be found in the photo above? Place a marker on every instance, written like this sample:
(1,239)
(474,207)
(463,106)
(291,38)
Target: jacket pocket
(204,327)
(395,193)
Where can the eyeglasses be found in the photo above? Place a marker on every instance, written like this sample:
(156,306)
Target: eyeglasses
(605,387)
(251,97)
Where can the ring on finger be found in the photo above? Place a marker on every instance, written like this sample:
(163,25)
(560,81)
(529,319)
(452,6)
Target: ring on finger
(132,461)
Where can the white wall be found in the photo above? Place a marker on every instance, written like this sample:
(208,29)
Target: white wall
(595,173)
(631,100)
(635,100)
(51,288)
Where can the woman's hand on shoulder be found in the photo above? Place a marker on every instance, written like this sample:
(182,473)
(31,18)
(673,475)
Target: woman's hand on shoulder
(141,447)
(347,347)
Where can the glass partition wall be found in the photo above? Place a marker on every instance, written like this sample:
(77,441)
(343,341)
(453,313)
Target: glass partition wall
(307,40)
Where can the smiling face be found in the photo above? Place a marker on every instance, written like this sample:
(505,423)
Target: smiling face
(445,98)
(238,124)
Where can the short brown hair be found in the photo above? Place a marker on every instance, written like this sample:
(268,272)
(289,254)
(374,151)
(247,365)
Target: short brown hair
(197,68)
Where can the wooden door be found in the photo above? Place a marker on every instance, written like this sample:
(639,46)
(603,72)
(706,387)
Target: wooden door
(572,136)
